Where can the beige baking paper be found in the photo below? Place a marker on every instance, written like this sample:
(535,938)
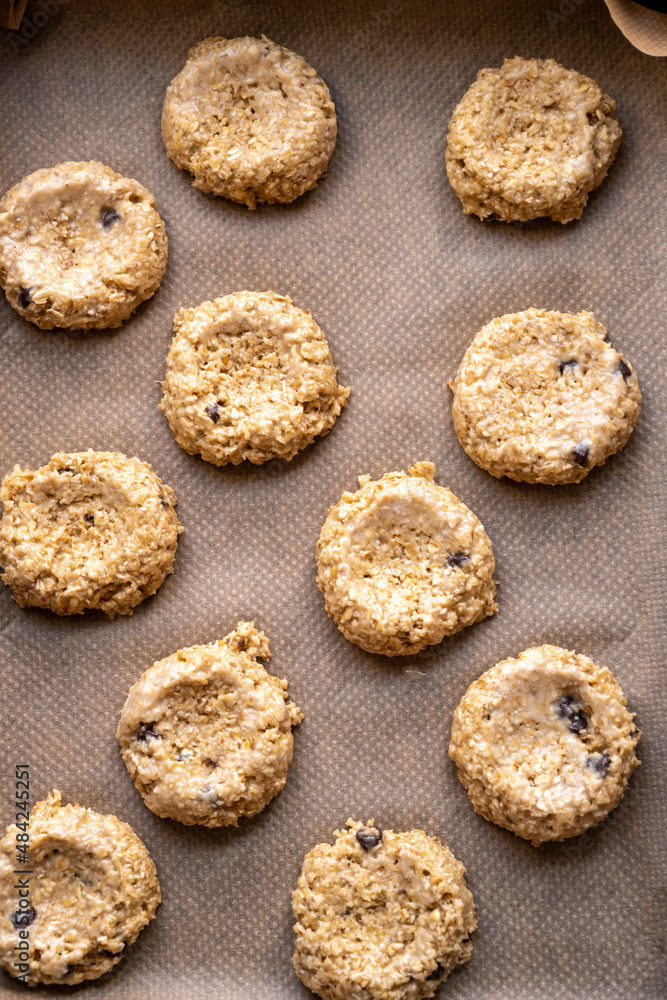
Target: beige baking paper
(399,280)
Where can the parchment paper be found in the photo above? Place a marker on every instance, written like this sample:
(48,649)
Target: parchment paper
(400,281)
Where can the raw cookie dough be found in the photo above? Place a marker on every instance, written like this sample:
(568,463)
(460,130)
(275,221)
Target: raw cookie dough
(249,376)
(207,733)
(92,529)
(544,744)
(80,246)
(403,563)
(530,139)
(380,915)
(92,889)
(251,120)
(543,397)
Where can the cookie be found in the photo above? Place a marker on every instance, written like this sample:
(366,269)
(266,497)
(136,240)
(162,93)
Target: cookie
(249,377)
(544,744)
(543,397)
(92,529)
(380,915)
(207,733)
(252,121)
(402,563)
(530,139)
(80,246)
(91,889)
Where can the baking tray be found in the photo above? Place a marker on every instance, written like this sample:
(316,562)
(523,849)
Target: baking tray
(400,281)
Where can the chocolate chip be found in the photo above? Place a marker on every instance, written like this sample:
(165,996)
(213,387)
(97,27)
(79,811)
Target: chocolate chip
(457,558)
(108,216)
(624,369)
(580,455)
(90,518)
(106,953)
(437,972)
(592,118)
(146,730)
(599,764)
(369,838)
(164,502)
(24,297)
(23,918)
(210,763)
(213,411)
(567,366)
(567,707)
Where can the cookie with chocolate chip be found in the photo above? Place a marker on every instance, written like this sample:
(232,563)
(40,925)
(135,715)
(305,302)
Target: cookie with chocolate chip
(380,914)
(402,563)
(543,397)
(530,139)
(207,733)
(91,889)
(250,377)
(89,530)
(80,246)
(544,744)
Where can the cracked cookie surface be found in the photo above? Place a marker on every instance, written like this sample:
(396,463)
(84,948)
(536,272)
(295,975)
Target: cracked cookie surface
(206,733)
(530,139)
(89,530)
(402,563)
(543,397)
(249,377)
(80,246)
(251,120)
(92,889)
(544,744)
(380,915)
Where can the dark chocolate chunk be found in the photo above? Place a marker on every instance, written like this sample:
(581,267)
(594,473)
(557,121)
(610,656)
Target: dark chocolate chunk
(23,918)
(437,972)
(457,558)
(24,297)
(599,764)
(164,502)
(90,518)
(210,763)
(580,455)
(108,216)
(213,411)
(369,838)
(624,369)
(567,366)
(568,708)
(146,730)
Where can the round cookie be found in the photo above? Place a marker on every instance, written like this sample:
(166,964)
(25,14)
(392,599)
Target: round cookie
(544,744)
(92,529)
(249,377)
(207,733)
(402,563)
(530,139)
(251,120)
(543,397)
(92,888)
(380,915)
(80,246)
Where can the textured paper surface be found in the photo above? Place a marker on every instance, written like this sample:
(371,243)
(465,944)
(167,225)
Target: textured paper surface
(400,281)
